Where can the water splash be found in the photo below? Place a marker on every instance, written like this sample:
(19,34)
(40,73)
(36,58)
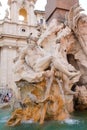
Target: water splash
(71,121)
(4,119)
(28,122)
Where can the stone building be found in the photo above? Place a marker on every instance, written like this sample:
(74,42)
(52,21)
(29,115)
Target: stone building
(58,8)
(13,34)
(40,15)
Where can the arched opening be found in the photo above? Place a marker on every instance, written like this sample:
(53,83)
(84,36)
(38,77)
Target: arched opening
(23,15)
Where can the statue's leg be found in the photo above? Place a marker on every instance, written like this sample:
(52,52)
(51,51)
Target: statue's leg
(42,63)
(48,86)
(66,84)
(49,80)
(63,68)
(18,66)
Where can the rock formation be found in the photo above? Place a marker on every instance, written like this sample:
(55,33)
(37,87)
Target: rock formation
(81,98)
(48,67)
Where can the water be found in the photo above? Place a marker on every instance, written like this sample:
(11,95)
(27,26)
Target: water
(77,122)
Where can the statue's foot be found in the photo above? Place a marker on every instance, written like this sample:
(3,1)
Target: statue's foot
(42,100)
(49,73)
(74,74)
(70,92)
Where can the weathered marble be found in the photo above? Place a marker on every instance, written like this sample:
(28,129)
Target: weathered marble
(50,67)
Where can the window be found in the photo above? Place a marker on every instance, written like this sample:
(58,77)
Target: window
(23,15)
(41,21)
(23,30)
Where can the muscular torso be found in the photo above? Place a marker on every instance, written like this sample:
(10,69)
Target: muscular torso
(32,56)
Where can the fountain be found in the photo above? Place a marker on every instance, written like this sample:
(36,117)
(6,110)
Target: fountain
(50,73)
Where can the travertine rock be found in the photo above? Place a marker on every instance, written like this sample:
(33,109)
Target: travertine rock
(81,98)
(40,104)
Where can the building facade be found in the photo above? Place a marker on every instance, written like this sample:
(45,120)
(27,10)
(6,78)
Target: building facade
(13,34)
(40,16)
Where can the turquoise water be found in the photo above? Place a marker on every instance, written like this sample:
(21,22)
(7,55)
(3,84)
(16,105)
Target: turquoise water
(77,122)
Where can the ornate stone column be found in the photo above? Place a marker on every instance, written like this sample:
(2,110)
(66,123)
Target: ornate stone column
(32,18)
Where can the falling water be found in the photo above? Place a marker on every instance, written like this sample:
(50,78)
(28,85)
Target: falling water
(61,90)
(62,93)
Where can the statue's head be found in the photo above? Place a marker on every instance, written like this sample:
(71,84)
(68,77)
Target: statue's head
(34,35)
